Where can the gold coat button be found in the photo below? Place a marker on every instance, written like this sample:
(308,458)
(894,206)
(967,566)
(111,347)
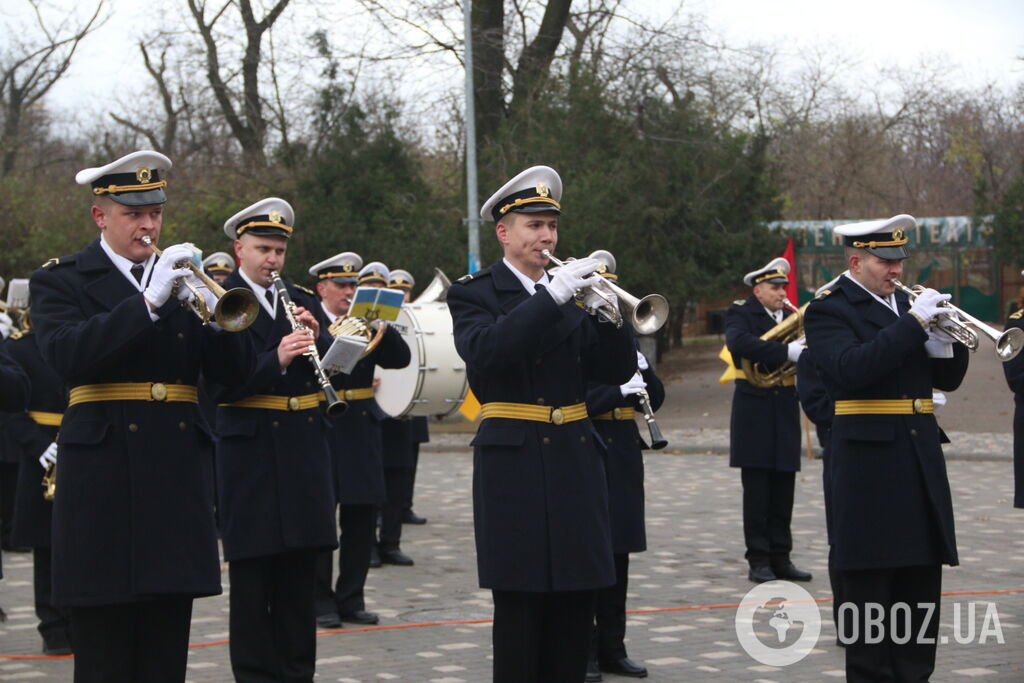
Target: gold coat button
(347,395)
(546,440)
(275,423)
(913,432)
(617,413)
(557,416)
(918,405)
(133,427)
(540,401)
(309,419)
(293,403)
(182,426)
(158,391)
(583,439)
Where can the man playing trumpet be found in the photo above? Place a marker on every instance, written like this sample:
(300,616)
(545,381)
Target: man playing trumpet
(764,429)
(540,501)
(133,529)
(880,357)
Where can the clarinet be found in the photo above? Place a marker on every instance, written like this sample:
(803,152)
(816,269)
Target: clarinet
(335,404)
(657,440)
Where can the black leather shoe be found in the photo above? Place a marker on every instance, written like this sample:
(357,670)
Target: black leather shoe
(396,557)
(360,616)
(593,672)
(761,574)
(624,667)
(412,518)
(374,557)
(791,573)
(329,620)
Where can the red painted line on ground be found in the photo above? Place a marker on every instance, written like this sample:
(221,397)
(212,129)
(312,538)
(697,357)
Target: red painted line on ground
(397,627)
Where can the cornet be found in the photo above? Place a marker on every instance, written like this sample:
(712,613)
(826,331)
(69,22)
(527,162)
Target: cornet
(647,315)
(236,309)
(959,326)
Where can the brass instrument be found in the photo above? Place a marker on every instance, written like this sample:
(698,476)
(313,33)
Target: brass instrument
(964,327)
(791,329)
(436,291)
(335,404)
(349,326)
(647,315)
(236,309)
(49,482)
(657,440)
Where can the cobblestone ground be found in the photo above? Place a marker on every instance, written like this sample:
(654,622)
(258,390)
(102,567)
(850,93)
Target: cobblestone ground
(685,587)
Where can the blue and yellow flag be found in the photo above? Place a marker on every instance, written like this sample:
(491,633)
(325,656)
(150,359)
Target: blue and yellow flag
(376,303)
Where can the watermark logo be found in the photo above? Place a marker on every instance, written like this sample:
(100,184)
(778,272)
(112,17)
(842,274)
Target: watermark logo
(778,623)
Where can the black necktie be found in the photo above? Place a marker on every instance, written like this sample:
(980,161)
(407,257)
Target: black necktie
(137,271)
(270,299)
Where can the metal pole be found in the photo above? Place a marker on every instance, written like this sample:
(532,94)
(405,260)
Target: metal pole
(472,202)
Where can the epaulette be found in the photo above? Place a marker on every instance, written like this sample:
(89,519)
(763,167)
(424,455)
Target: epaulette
(822,294)
(472,276)
(307,290)
(739,302)
(1017,314)
(18,334)
(51,263)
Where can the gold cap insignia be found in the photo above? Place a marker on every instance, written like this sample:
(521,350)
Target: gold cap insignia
(543,190)
(143,175)
(897,234)
(275,216)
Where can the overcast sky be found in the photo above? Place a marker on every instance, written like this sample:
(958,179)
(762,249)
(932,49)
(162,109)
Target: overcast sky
(983,37)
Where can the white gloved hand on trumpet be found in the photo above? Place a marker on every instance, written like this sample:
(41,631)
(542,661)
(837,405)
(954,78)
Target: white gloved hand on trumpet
(573,276)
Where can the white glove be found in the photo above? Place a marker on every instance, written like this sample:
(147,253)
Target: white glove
(572,277)
(937,334)
(928,304)
(594,300)
(635,385)
(165,274)
(794,350)
(49,456)
(6,325)
(938,399)
(641,361)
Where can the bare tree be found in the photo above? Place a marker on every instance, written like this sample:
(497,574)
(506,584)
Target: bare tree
(30,66)
(242,107)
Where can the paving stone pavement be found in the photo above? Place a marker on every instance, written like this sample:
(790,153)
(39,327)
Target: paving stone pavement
(694,562)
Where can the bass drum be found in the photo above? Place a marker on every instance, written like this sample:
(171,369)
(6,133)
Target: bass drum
(434,383)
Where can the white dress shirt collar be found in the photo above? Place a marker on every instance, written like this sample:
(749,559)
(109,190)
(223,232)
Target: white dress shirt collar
(261,294)
(330,316)
(529,285)
(125,266)
(889,301)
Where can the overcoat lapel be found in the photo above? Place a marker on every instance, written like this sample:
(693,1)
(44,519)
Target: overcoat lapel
(511,293)
(874,311)
(104,283)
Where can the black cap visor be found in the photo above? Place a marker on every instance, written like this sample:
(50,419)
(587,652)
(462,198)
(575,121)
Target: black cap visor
(266,231)
(144,198)
(888,253)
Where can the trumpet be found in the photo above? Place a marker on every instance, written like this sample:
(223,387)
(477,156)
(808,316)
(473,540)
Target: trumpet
(657,440)
(236,309)
(964,327)
(335,404)
(789,330)
(646,315)
(49,482)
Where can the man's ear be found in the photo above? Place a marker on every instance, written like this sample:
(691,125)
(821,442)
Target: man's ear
(501,231)
(99,216)
(238,250)
(854,262)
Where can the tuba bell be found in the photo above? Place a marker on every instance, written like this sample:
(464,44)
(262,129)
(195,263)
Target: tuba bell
(789,330)
(436,291)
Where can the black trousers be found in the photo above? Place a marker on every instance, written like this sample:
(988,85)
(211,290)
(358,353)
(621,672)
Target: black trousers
(357,525)
(608,643)
(273,623)
(541,637)
(135,641)
(397,486)
(8,485)
(410,484)
(767,512)
(911,662)
(54,624)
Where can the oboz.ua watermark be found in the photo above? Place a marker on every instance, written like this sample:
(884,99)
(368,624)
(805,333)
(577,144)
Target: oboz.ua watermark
(778,623)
